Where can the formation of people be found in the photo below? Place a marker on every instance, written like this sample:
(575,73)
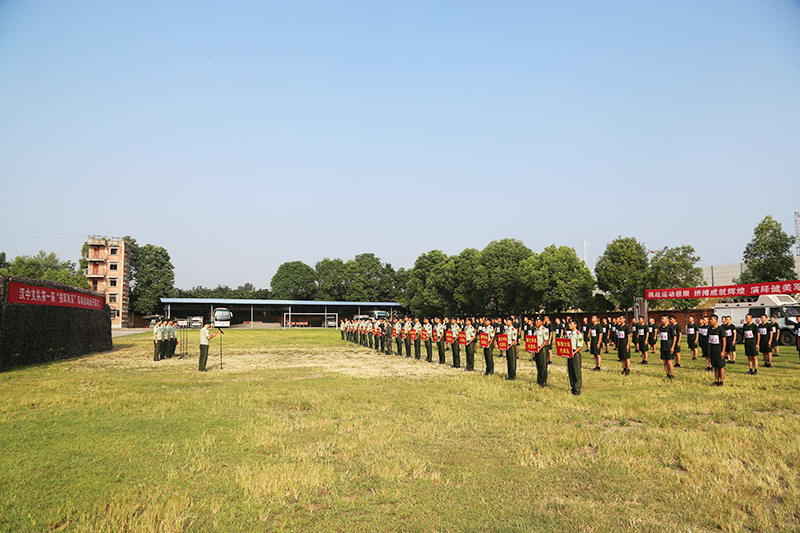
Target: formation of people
(716,340)
(165,339)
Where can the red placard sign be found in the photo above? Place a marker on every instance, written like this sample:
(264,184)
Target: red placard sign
(29,294)
(448,337)
(462,338)
(403,334)
(483,340)
(395,333)
(564,348)
(531,343)
(435,336)
(502,342)
(424,335)
(413,334)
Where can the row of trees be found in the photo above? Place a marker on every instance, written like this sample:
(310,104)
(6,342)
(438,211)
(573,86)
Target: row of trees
(505,277)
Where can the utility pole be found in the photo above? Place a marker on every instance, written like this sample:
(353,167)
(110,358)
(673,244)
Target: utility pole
(585,244)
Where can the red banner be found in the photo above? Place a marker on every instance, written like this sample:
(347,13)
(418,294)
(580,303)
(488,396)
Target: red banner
(29,294)
(483,340)
(727,291)
(531,343)
(502,342)
(462,338)
(564,348)
(448,337)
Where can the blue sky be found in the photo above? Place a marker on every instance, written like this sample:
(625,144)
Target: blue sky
(241,135)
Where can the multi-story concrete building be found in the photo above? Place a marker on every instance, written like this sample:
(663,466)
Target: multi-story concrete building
(109,272)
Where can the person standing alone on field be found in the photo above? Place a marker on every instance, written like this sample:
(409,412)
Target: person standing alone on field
(205,336)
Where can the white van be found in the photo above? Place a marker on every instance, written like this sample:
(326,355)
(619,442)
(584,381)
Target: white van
(782,306)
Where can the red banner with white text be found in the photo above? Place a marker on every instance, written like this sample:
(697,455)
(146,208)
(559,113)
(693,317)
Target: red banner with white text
(726,291)
(29,294)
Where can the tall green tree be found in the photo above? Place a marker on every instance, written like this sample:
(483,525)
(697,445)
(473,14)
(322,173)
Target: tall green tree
(621,271)
(427,290)
(769,255)
(557,280)
(45,266)
(465,273)
(294,280)
(332,279)
(499,276)
(675,268)
(154,279)
(3,262)
(370,279)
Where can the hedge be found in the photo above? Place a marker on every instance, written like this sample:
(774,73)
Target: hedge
(33,334)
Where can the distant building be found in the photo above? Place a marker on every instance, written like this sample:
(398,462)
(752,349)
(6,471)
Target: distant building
(719,275)
(109,272)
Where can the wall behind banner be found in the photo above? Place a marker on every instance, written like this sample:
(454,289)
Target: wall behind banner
(31,334)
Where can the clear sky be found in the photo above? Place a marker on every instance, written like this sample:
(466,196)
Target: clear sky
(241,135)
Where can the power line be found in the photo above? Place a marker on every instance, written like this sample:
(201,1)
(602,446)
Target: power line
(38,236)
(39,230)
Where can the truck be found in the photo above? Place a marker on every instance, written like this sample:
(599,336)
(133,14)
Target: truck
(783,307)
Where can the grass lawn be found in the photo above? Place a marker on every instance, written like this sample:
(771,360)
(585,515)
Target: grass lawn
(302,431)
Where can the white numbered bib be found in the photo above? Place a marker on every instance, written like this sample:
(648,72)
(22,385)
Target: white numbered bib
(713,339)
(748,334)
(763,331)
(690,331)
(664,336)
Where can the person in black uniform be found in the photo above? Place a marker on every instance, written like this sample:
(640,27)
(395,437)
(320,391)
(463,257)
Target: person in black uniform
(641,339)
(730,340)
(676,331)
(716,347)
(652,337)
(667,339)
(691,337)
(750,334)
(765,341)
(702,341)
(624,346)
(596,343)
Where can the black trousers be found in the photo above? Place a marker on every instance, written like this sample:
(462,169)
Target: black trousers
(203,356)
(417,347)
(408,346)
(429,350)
(488,355)
(511,361)
(541,366)
(470,355)
(456,354)
(440,347)
(574,371)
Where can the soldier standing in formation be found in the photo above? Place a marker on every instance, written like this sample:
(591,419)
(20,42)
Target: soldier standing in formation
(542,335)
(676,331)
(511,352)
(427,333)
(750,334)
(596,343)
(691,337)
(469,347)
(666,336)
(702,341)
(730,339)
(765,341)
(574,362)
(716,347)
(454,347)
(488,351)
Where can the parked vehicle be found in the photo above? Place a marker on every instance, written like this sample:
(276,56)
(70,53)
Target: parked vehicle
(783,307)
(222,318)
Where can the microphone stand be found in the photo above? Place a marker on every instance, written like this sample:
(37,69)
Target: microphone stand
(221,333)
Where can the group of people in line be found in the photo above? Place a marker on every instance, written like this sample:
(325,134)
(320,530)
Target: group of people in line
(715,338)
(165,339)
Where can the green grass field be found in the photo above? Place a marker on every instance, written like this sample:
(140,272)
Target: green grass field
(304,432)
